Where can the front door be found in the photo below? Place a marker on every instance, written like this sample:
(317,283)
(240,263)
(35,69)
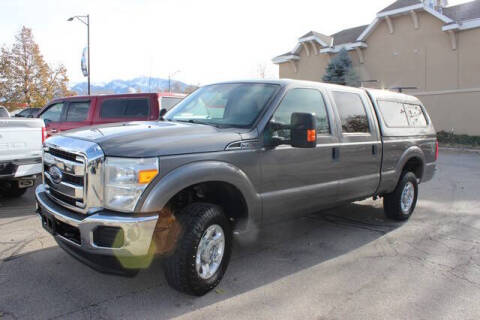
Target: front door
(296,179)
(52,117)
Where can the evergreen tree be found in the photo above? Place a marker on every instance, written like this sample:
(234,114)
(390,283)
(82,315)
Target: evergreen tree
(340,70)
(25,77)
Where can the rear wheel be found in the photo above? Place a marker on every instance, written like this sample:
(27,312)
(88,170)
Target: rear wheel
(10,189)
(399,204)
(203,250)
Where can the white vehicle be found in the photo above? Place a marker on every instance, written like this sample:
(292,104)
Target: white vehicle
(20,154)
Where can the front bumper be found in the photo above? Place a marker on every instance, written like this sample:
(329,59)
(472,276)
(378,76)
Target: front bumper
(76,234)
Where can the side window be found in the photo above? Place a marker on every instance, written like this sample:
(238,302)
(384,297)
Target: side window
(393,114)
(416,116)
(169,102)
(352,112)
(53,113)
(306,101)
(77,111)
(124,108)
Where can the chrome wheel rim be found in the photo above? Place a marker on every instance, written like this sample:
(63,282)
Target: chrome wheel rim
(408,194)
(210,251)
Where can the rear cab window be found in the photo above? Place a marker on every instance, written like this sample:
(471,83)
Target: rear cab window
(397,114)
(117,108)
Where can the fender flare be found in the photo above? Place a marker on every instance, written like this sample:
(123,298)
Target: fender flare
(412,152)
(166,187)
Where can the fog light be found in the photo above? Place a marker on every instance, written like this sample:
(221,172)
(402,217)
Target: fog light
(108,237)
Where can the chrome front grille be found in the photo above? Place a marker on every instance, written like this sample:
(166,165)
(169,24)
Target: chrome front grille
(77,181)
(70,188)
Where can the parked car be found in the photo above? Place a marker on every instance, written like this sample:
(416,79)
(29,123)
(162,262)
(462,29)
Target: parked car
(27,113)
(79,111)
(4,112)
(20,154)
(228,157)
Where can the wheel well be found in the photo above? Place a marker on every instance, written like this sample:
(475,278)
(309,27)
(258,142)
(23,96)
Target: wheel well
(223,194)
(414,165)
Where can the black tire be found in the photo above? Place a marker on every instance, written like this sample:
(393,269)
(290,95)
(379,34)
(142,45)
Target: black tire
(179,267)
(392,202)
(10,189)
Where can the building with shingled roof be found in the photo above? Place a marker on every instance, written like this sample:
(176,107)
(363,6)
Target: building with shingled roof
(427,45)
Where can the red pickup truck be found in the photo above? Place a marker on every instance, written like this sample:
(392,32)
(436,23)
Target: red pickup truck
(79,111)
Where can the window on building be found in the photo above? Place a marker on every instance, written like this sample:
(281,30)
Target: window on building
(352,112)
(393,114)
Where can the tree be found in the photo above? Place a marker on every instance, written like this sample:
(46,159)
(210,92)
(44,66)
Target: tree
(26,78)
(340,70)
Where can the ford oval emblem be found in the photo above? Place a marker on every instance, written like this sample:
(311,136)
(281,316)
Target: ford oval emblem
(55,174)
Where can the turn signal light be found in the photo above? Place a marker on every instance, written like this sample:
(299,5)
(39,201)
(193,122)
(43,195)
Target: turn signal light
(311,135)
(436,150)
(145,176)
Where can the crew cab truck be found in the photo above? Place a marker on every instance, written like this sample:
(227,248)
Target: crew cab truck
(229,156)
(79,111)
(20,155)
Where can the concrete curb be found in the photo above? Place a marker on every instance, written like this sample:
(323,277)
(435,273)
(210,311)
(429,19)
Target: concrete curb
(456,149)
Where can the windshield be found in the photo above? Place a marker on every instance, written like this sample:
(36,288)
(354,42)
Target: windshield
(231,104)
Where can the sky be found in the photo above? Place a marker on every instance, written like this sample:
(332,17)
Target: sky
(198,41)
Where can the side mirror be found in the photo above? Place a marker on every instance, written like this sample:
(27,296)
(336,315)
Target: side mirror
(303,130)
(162,113)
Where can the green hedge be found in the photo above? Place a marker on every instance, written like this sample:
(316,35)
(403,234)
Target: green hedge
(462,139)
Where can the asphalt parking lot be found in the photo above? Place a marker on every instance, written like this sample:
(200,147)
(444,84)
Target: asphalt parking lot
(345,263)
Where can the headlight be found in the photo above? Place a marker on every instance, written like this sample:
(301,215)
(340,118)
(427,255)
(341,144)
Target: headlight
(126,179)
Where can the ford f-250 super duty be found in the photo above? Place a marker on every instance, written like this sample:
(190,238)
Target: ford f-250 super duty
(229,156)
(20,154)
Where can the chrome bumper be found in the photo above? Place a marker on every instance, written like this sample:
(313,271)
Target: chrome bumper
(137,231)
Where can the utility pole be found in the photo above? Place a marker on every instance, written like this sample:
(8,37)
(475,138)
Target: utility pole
(86,21)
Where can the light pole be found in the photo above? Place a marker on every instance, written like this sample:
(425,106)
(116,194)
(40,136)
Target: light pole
(170,75)
(86,21)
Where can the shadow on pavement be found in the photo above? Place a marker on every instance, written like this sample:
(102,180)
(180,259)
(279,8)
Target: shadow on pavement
(49,283)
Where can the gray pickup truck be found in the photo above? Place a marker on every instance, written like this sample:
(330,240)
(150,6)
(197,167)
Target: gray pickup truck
(229,156)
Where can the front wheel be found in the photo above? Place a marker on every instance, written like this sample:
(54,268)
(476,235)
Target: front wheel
(399,204)
(203,250)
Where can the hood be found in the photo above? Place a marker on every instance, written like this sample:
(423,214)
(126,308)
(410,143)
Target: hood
(152,139)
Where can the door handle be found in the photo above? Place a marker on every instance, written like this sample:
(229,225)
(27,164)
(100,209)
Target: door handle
(374,149)
(54,131)
(335,153)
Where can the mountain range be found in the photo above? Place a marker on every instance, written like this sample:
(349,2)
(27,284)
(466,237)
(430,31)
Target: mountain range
(140,84)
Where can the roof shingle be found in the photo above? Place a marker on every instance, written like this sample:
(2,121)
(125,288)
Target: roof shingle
(464,11)
(348,35)
(401,4)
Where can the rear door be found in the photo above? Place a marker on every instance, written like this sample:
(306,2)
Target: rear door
(110,109)
(52,116)
(77,114)
(359,153)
